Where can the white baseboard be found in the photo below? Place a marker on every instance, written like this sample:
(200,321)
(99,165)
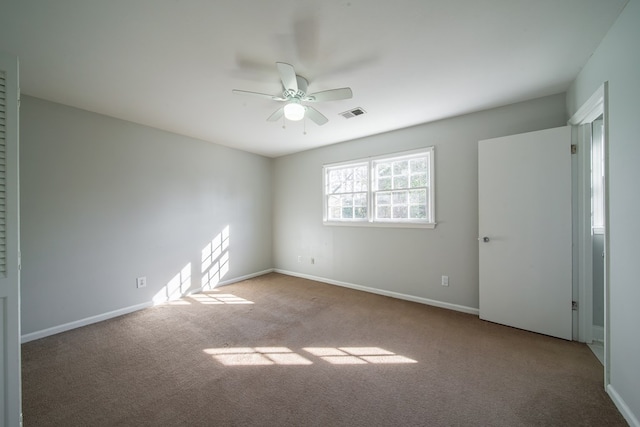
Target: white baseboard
(455,307)
(622,407)
(115,313)
(82,322)
(597,333)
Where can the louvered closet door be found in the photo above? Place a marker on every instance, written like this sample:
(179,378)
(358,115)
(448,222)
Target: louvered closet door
(10,399)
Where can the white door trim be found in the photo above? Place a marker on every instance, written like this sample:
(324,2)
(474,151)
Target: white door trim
(591,110)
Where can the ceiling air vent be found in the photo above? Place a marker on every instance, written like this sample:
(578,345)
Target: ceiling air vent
(353,113)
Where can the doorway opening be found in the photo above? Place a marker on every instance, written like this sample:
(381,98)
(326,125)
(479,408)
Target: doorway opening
(591,240)
(598,232)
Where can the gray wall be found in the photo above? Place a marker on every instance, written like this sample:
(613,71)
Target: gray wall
(617,60)
(104,201)
(406,261)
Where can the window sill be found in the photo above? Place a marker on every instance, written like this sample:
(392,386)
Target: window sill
(429,225)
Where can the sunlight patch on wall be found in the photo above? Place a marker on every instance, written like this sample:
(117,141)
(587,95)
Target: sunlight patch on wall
(248,356)
(215,259)
(176,287)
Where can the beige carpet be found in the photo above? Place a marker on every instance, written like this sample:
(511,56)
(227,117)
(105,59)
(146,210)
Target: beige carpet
(283,351)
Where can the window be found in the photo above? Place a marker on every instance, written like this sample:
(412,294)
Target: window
(392,190)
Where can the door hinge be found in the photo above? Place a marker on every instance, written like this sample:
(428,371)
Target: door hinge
(574,148)
(574,305)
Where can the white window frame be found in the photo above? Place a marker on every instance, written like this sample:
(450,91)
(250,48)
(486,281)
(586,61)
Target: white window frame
(370,220)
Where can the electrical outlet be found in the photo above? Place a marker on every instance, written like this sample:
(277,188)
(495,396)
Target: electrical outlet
(313,260)
(299,258)
(141,282)
(445,280)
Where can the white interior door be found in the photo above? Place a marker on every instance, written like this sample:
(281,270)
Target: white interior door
(10,398)
(525,231)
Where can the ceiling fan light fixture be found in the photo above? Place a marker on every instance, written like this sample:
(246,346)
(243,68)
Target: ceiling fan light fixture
(294,111)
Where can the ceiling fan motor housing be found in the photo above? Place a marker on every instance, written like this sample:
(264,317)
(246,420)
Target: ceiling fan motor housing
(303,84)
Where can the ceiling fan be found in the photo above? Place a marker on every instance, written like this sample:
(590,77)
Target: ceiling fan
(295,93)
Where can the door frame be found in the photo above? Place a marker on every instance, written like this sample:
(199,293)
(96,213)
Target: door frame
(581,121)
(10,384)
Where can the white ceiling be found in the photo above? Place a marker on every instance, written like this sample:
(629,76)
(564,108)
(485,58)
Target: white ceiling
(172,64)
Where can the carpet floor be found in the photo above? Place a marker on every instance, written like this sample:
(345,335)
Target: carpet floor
(283,351)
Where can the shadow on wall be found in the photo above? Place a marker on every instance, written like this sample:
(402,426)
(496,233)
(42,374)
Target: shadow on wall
(214,266)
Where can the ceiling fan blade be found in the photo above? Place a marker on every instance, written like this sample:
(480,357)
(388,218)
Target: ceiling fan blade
(330,95)
(262,95)
(316,116)
(277,115)
(288,76)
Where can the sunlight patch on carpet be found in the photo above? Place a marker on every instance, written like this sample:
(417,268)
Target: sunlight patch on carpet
(256,356)
(248,356)
(209,299)
(357,355)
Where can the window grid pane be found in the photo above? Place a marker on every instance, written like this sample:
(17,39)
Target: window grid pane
(400,190)
(347,206)
(348,179)
(401,174)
